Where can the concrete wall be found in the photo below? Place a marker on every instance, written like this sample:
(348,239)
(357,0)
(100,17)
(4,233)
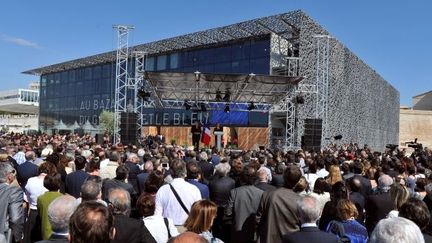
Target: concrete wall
(415,124)
(423,102)
(363,107)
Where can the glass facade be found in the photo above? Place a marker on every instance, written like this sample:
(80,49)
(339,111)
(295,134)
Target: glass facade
(81,94)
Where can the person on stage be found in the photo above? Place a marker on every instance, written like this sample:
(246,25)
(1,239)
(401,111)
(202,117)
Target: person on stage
(218,128)
(196,135)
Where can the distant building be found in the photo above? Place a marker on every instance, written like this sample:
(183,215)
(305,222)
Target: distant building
(416,122)
(19,109)
(423,101)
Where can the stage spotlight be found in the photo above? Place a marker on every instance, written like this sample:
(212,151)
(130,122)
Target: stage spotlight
(218,96)
(187,105)
(251,106)
(144,94)
(227,95)
(203,107)
(227,108)
(300,100)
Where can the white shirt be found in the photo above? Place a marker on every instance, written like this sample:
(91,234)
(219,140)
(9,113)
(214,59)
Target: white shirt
(322,173)
(104,163)
(156,226)
(34,189)
(167,204)
(311,178)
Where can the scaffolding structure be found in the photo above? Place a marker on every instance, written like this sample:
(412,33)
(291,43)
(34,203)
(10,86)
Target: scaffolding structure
(122,81)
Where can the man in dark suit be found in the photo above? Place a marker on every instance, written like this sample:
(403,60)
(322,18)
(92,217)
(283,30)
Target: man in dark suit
(75,179)
(263,180)
(220,188)
(279,206)
(134,170)
(207,168)
(127,229)
(308,211)
(242,206)
(27,169)
(59,213)
(366,187)
(142,177)
(122,173)
(378,206)
(193,176)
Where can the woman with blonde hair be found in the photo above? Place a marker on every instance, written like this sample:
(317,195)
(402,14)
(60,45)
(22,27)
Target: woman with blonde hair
(200,219)
(399,194)
(334,175)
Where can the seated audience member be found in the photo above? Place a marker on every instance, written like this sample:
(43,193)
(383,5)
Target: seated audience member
(59,213)
(242,206)
(127,229)
(308,210)
(91,222)
(162,229)
(200,219)
(398,229)
(417,211)
(188,237)
(52,183)
(347,227)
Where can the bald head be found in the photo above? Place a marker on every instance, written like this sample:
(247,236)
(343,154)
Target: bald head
(262,175)
(120,201)
(60,211)
(188,237)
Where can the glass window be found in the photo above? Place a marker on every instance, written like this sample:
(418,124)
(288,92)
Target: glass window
(57,78)
(260,48)
(174,61)
(72,76)
(224,67)
(97,72)
(222,54)
(260,66)
(161,62)
(87,73)
(150,66)
(240,51)
(106,70)
(64,77)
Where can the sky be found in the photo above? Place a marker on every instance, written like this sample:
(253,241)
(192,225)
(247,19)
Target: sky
(393,37)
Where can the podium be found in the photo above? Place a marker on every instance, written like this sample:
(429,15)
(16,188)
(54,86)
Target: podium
(219,135)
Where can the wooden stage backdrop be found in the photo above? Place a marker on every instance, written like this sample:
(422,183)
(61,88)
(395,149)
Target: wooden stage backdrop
(248,137)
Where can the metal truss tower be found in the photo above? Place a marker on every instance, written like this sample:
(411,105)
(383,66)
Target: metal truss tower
(138,82)
(122,82)
(322,82)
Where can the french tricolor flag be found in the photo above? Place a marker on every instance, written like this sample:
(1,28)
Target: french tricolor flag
(206,135)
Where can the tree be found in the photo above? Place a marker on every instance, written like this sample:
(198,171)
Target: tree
(106,120)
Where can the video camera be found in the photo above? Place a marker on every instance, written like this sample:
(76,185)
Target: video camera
(392,146)
(415,145)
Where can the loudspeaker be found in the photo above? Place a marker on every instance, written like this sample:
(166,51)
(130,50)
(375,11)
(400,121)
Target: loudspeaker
(128,128)
(311,140)
(99,138)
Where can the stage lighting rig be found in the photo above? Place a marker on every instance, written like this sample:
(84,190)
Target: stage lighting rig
(144,94)
(227,108)
(251,106)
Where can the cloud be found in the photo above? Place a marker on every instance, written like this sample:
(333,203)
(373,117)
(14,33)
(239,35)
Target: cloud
(19,41)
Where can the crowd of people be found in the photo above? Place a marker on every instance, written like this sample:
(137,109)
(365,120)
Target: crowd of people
(68,188)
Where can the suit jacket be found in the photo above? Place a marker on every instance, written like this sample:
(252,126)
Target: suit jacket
(55,238)
(366,188)
(134,170)
(114,183)
(204,190)
(377,207)
(309,235)
(220,190)
(207,169)
(242,205)
(11,211)
(278,180)
(264,186)
(74,182)
(25,171)
(131,231)
(142,178)
(277,206)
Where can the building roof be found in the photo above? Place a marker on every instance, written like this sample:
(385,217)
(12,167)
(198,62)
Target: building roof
(285,25)
(422,94)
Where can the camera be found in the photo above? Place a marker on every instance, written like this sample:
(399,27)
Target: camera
(392,146)
(165,166)
(415,145)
